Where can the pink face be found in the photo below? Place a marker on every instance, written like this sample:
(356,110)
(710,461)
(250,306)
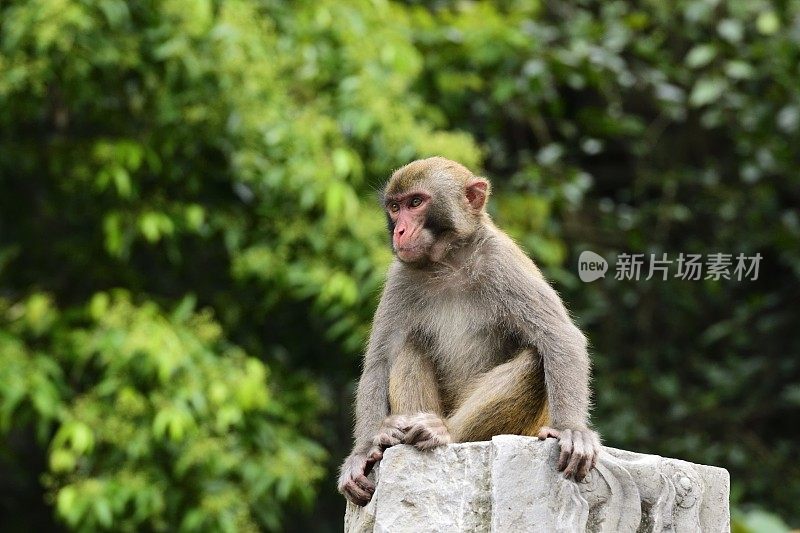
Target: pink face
(407,213)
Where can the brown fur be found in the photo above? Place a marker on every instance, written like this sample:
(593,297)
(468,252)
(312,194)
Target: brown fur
(412,385)
(469,341)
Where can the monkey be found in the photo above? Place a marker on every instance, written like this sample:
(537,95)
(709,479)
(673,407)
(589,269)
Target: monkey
(468,340)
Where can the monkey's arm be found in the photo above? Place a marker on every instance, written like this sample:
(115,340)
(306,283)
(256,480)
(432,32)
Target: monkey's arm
(372,400)
(372,407)
(539,318)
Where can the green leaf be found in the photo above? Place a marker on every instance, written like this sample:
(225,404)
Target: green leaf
(731,30)
(341,162)
(768,23)
(102,510)
(122,181)
(739,70)
(195,216)
(706,91)
(62,460)
(150,227)
(701,55)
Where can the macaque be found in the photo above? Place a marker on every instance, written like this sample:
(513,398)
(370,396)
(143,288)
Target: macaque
(468,340)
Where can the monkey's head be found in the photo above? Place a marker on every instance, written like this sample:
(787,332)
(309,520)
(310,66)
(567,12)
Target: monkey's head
(431,203)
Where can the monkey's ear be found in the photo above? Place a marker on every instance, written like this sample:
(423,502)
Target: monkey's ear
(477,192)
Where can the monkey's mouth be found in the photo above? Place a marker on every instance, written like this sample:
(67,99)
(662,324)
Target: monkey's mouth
(409,254)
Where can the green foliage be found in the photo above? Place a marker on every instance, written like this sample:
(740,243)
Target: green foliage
(757,521)
(219,159)
(157,421)
(216,152)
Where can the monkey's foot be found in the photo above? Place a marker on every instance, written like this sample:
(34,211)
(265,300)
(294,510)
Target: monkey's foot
(391,432)
(579,450)
(426,431)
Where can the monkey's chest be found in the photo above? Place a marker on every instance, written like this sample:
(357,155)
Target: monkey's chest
(463,339)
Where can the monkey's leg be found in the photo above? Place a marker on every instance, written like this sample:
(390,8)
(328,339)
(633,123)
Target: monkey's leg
(412,384)
(509,399)
(415,404)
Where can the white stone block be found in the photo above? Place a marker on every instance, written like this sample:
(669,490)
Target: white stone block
(511,485)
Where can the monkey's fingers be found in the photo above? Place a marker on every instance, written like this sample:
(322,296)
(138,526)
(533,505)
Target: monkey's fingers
(597,448)
(388,437)
(590,456)
(414,434)
(359,495)
(437,433)
(433,442)
(356,494)
(583,468)
(396,422)
(365,483)
(548,432)
(578,458)
(431,436)
(424,438)
(566,449)
(374,455)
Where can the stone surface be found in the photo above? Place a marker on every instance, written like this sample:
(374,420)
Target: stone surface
(510,484)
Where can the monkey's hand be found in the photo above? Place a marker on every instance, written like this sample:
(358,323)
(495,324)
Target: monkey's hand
(425,431)
(580,449)
(353,481)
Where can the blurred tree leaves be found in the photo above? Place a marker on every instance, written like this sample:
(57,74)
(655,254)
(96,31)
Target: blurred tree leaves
(218,161)
(157,420)
(192,151)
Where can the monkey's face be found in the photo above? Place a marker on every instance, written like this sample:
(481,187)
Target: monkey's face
(407,214)
(431,203)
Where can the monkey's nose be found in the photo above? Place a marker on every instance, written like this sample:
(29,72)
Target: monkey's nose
(400,232)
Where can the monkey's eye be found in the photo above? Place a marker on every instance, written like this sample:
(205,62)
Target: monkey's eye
(416,201)
(394,207)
